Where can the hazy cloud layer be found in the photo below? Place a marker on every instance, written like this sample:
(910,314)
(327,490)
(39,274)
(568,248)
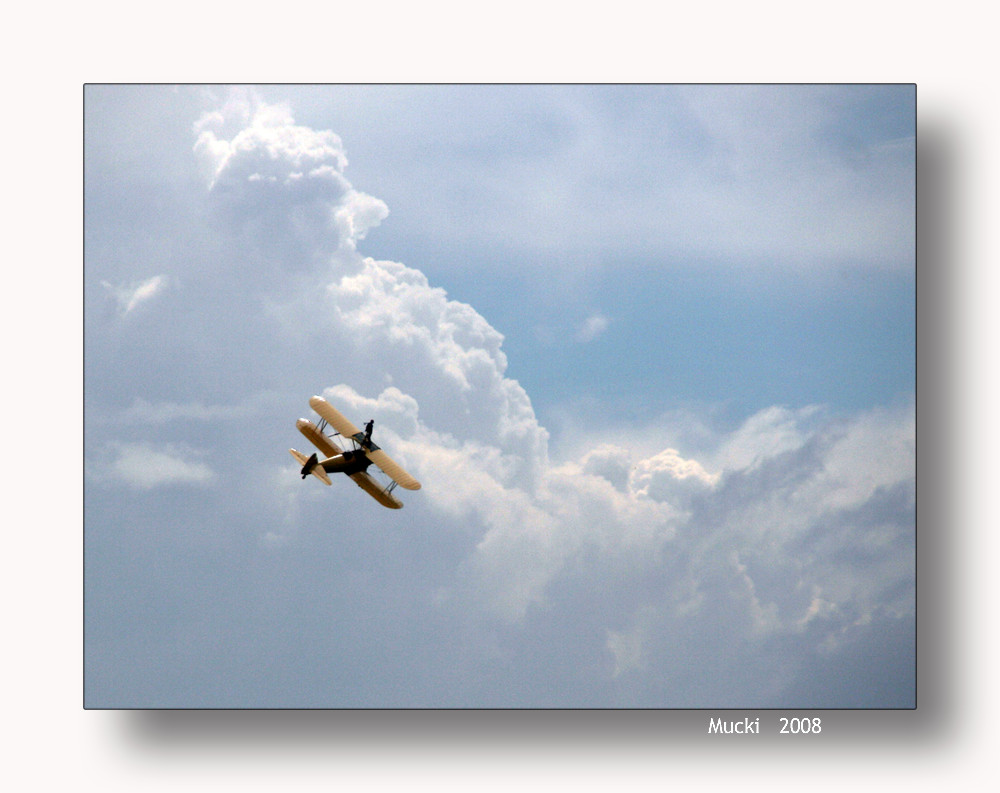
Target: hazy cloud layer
(790,178)
(143,466)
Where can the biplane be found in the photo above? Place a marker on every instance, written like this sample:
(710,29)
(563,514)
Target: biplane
(354,461)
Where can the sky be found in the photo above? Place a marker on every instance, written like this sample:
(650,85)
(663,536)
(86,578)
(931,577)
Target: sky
(650,350)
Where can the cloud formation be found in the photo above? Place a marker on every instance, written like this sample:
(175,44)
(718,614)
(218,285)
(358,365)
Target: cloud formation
(130,296)
(592,327)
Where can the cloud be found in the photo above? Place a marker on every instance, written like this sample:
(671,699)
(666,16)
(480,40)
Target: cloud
(441,352)
(628,646)
(594,326)
(788,535)
(610,462)
(148,413)
(279,188)
(787,177)
(130,296)
(660,477)
(144,466)
(269,148)
(791,185)
(765,435)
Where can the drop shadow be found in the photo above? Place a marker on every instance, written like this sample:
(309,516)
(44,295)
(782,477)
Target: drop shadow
(934,721)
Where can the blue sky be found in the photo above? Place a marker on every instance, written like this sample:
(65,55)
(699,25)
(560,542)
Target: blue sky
(649,348)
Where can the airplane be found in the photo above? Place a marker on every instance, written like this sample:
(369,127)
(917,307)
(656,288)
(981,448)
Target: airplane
(354,461)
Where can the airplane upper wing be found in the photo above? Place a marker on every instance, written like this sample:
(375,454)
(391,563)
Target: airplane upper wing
(317,438)
(334,417)
(340,423)
(370,486)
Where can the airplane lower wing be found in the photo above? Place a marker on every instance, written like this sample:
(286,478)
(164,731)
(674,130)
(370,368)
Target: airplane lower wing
(317,438)
(393,469)
(372,488)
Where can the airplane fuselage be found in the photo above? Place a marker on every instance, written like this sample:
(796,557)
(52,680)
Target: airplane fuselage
(350,462)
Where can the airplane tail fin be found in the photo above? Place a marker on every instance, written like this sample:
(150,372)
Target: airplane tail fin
(310,465)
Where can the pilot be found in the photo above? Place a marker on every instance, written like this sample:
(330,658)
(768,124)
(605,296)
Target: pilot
(368,431)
